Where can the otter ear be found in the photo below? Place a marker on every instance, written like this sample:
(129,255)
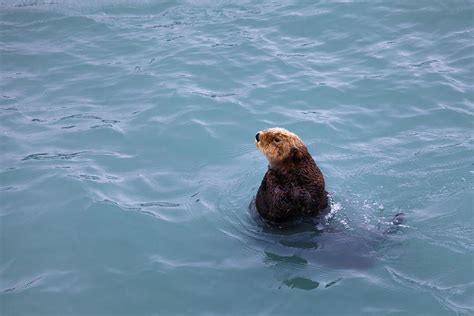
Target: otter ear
(295,154)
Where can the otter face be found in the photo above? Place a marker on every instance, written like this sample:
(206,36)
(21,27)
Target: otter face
(278,144)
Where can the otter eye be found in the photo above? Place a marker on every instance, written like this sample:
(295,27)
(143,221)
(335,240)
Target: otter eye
(276,139)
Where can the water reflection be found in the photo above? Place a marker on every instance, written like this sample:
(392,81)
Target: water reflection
(301,283)
(297,252)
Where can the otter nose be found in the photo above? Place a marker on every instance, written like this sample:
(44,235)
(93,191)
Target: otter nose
(257,137)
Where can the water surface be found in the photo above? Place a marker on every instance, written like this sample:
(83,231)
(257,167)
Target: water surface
(128,163)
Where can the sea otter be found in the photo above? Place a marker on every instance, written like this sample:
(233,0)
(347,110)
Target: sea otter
(293,186)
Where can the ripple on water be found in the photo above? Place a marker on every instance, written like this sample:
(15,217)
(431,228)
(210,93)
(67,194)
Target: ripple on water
(442,293)
(162,210)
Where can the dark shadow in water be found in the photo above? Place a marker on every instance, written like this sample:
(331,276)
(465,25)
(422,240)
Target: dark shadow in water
(321,242)
(301,283)
(338,250)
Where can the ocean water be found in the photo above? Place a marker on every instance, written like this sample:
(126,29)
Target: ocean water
(128,161)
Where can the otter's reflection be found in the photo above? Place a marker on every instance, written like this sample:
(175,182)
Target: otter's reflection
(298,250)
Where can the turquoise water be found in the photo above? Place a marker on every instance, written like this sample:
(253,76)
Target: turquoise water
(128,160)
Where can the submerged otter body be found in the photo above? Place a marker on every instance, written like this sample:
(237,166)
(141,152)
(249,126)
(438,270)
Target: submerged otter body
(293,186)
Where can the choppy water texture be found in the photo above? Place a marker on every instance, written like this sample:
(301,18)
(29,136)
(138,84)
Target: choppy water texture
(128,163)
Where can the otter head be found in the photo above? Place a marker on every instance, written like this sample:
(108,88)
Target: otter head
(280,146)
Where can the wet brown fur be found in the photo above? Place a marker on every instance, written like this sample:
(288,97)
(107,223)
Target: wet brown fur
(293,186)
